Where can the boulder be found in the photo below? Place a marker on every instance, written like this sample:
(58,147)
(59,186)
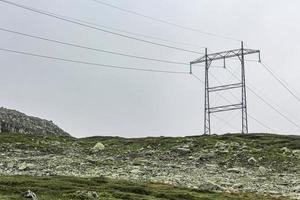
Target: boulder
(222,147)
(285,150)
(98,147)
(235,170)
(25,166)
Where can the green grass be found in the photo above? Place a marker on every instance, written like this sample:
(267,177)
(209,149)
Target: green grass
(65,188)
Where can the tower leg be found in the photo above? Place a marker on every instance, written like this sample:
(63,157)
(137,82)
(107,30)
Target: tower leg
(244,96)
(207,130)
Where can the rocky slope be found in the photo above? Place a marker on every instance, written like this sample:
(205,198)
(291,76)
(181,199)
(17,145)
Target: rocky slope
(259,163)
(16,122)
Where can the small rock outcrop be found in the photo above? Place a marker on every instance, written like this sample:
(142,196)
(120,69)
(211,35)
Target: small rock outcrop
(12,121)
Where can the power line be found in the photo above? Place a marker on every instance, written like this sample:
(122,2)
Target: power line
(275,109)
(90,48)
(280,81)
(96,28)
(262,124)
(227,121)
(270,105)
(165,22)
(124,31)
(89,63)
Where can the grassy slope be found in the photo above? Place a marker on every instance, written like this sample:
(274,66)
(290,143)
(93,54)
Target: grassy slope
(64,188)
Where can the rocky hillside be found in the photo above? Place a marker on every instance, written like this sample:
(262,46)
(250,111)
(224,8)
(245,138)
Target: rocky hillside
(256,163)
(16,122)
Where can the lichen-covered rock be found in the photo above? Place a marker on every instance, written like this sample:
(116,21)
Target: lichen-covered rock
(222,147)
(25,166)
(98,147)
(235,170)
(12,121)
(285,150)
(182,151)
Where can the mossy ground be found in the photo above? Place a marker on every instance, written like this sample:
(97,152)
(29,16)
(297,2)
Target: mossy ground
(65,188)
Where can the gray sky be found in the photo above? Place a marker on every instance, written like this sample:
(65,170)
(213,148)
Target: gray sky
(86,100)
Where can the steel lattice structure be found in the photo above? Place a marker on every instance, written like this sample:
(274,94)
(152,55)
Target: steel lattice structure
(208,59)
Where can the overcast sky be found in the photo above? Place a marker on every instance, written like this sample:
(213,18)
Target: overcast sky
(88,100)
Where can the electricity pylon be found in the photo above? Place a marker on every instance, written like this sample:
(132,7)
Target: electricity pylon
(208,59)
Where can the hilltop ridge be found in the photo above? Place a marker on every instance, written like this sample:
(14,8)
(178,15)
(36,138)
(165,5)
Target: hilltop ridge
(16,122)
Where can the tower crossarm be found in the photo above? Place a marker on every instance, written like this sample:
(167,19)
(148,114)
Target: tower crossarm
(225,55)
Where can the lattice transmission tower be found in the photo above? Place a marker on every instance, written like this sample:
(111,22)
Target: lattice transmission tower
(208,59)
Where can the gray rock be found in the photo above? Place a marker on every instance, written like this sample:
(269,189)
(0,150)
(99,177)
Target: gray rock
(22,166)
(221,145)
(182,151)
(25,166)
(31,195)
(285,150)
(235,170)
